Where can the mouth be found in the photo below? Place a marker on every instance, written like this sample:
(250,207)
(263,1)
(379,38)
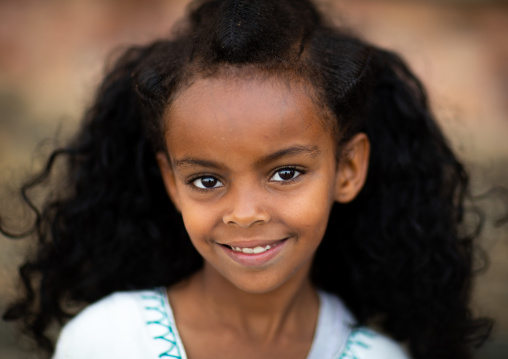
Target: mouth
(254,253)
(254,250)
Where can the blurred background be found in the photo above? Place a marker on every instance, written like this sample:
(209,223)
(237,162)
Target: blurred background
(52,56)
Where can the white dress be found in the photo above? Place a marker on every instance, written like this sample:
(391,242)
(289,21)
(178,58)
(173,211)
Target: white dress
(141,325)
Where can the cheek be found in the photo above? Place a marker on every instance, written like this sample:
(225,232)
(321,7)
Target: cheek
(197,220)
(311,210)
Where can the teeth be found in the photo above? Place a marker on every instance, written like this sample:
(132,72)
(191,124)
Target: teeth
(256,250)
(259,250)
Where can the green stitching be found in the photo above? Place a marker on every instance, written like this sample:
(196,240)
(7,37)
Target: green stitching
(354,342)
(169,336)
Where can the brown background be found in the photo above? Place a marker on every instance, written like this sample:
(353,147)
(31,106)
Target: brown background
(52,54)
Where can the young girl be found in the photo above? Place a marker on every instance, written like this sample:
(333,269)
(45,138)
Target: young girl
(261,185)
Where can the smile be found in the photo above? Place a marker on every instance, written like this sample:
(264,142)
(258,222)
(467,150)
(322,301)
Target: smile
(255,255)
(255,250)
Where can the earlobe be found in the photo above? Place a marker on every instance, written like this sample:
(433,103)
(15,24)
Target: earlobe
(168,178)
(352,168)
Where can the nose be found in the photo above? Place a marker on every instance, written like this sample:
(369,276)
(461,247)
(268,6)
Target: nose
(245,208)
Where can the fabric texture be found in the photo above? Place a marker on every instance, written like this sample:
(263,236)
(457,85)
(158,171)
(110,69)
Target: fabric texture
(140,324)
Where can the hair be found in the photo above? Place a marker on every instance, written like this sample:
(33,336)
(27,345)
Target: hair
(395,254)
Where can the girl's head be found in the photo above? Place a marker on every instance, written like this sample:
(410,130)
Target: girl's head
(260,120)
(250,89)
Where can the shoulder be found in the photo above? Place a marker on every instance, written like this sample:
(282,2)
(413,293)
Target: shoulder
(351,341)
(113,325)
(365,343)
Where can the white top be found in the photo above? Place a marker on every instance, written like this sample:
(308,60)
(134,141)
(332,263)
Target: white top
(141,325)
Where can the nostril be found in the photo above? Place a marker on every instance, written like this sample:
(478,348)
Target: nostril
(246,216)
(246,223)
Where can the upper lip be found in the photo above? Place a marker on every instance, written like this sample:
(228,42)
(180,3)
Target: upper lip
(253,243)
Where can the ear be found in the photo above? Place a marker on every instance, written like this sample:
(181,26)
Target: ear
(168,177)
(352,168)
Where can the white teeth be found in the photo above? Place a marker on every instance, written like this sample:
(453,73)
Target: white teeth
(259,250)
(256,250)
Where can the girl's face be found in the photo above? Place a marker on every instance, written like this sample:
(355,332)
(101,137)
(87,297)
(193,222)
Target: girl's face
(252,169)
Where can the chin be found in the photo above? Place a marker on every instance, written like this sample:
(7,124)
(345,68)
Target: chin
(261,283)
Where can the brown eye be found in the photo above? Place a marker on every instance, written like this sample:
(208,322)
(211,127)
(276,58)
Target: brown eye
(207,182)
(285,174)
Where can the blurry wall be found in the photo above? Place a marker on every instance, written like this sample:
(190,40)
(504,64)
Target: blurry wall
(52,55)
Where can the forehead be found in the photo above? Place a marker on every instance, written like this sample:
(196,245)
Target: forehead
(264,111)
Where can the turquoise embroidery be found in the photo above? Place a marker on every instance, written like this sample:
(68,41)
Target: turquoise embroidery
(354,341)
(169,335)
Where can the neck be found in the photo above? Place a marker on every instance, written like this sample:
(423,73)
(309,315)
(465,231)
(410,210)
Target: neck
(263,317)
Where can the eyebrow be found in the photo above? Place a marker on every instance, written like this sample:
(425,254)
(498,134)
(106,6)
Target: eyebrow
(193,162)
(292,151)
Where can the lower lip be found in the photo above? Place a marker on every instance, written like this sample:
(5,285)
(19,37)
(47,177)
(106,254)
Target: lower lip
(253,259)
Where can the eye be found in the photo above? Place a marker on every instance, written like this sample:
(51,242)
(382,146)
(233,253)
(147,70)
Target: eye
(285,174)
(207,182)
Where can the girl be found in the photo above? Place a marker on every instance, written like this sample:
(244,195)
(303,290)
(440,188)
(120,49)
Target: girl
(261,185)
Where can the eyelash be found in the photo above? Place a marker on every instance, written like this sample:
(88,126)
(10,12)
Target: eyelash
(298,172)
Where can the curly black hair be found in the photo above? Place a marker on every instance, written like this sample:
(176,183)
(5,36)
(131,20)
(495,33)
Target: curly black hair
(395,254)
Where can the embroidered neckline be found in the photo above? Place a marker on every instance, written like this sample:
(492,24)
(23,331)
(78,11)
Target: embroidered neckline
(155,302)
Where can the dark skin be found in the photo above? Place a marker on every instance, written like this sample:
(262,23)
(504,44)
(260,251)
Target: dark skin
(235,324)
(252,165)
